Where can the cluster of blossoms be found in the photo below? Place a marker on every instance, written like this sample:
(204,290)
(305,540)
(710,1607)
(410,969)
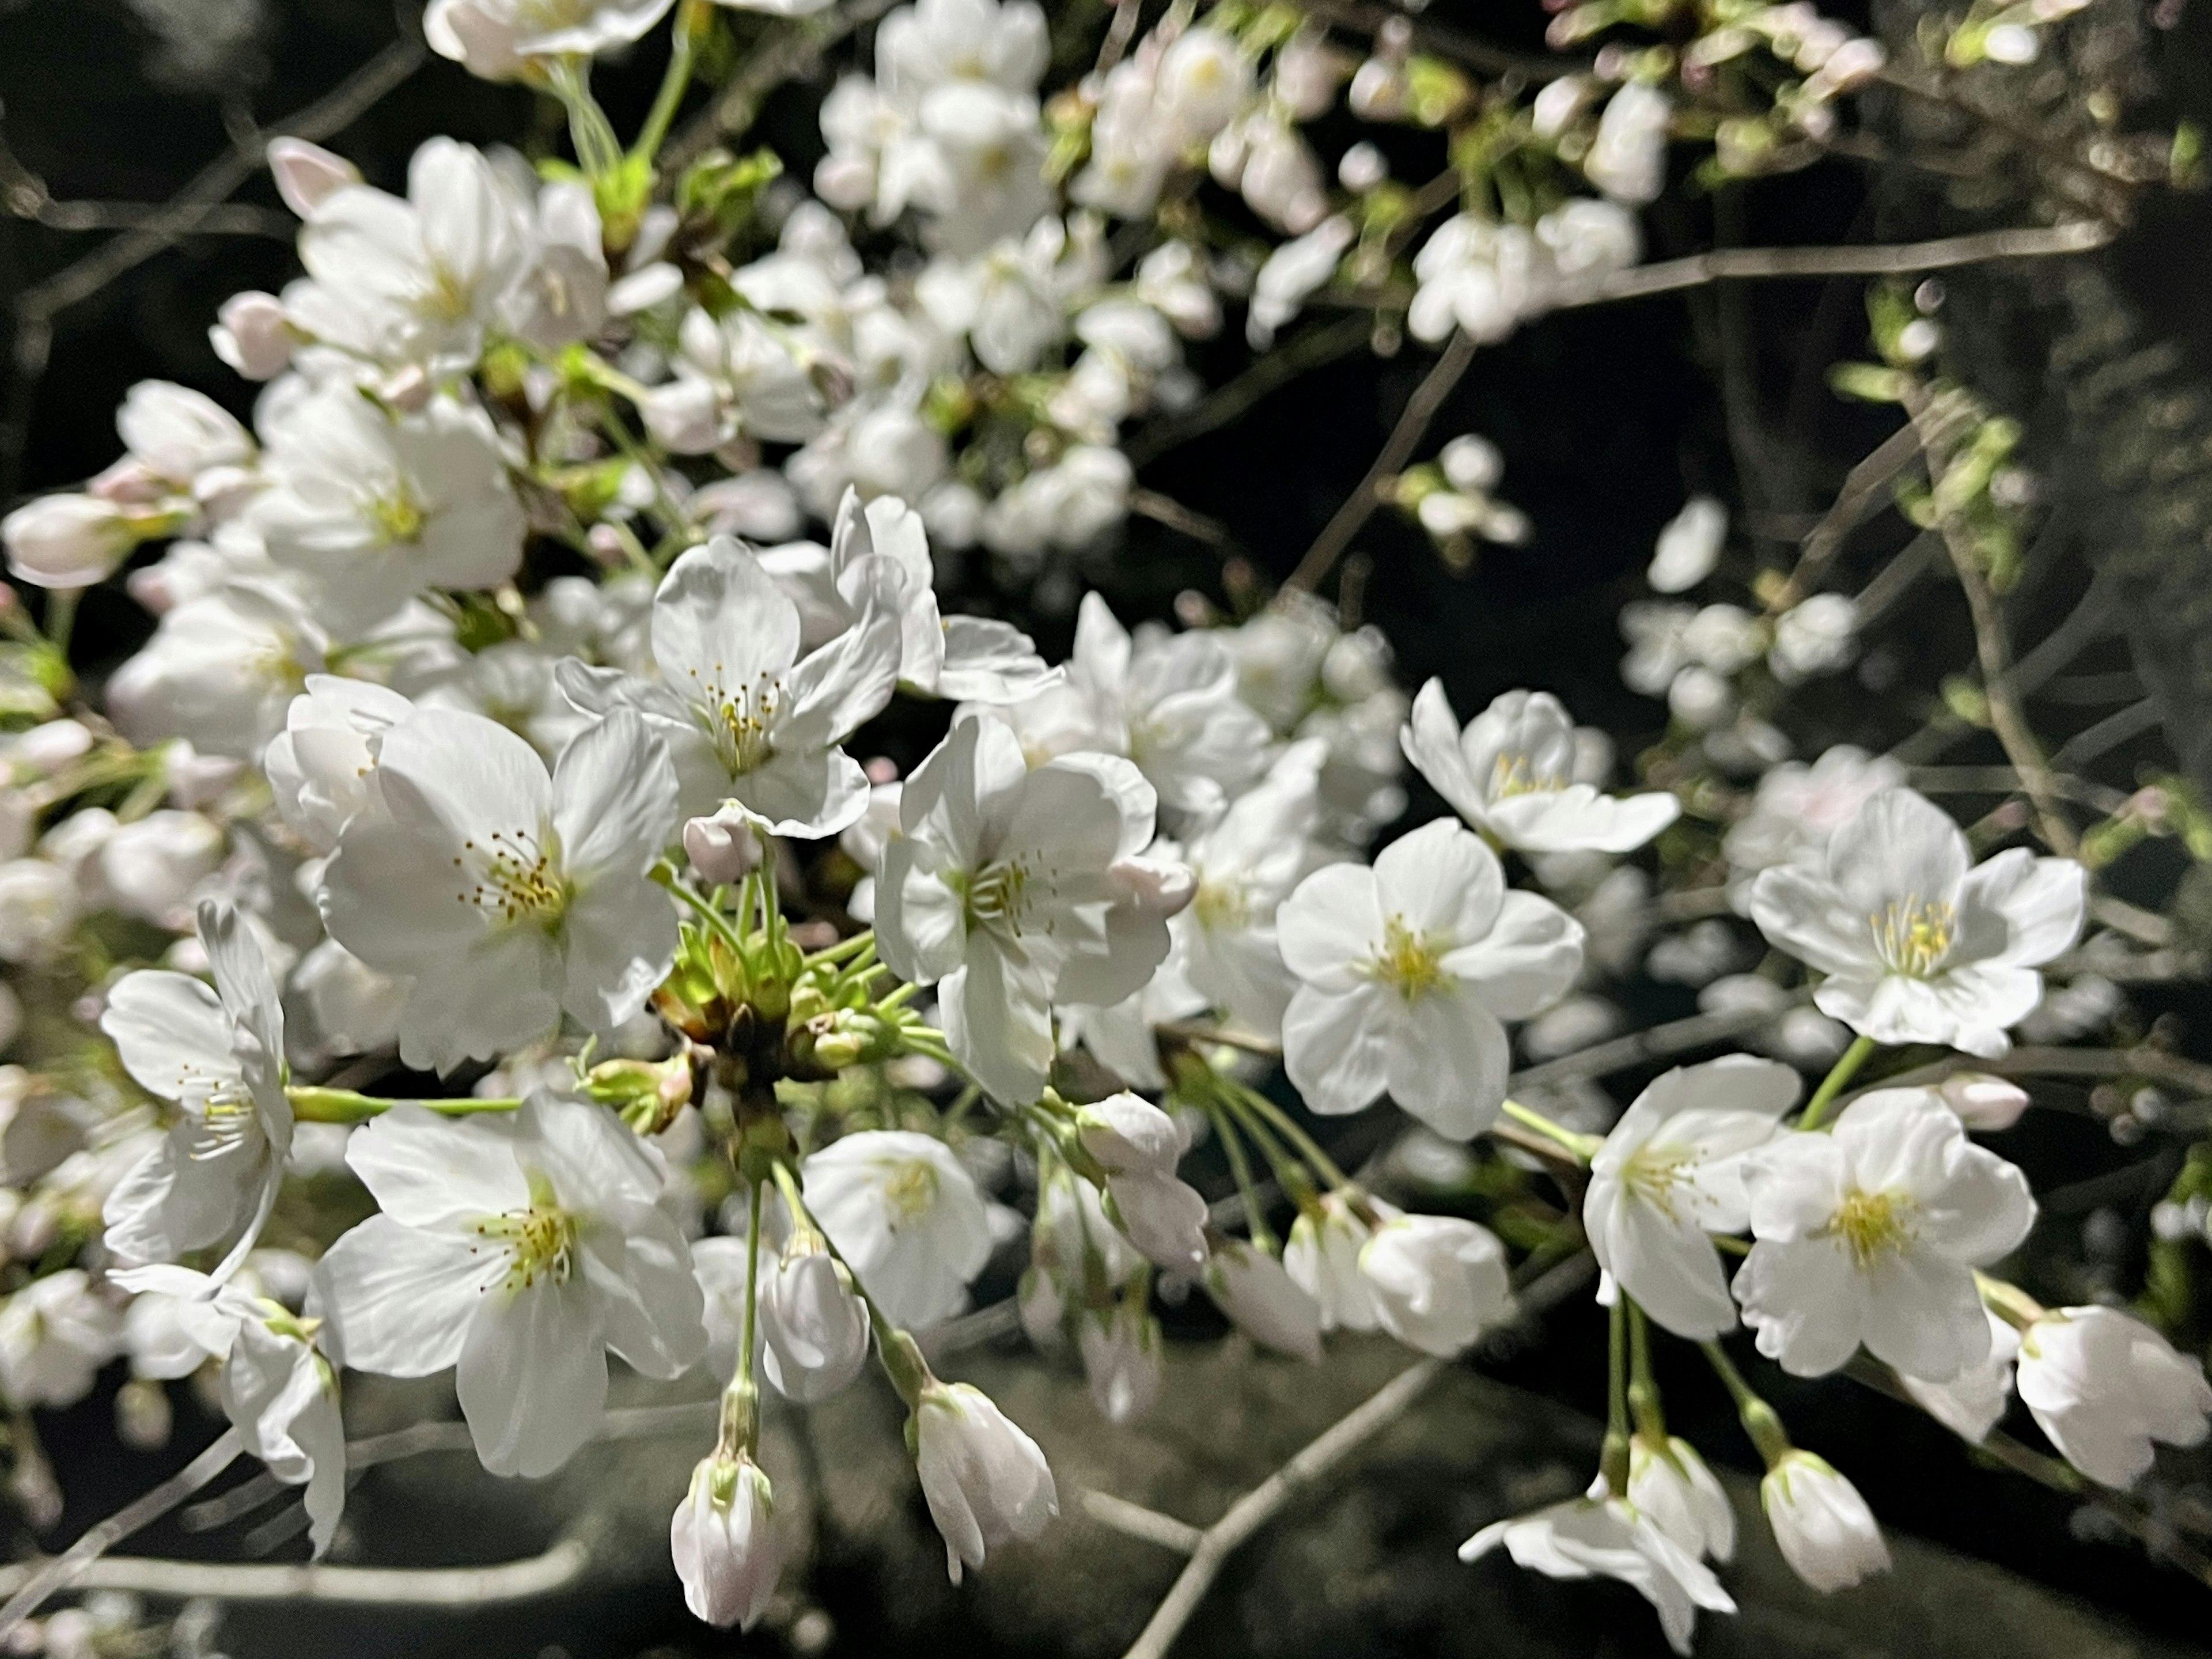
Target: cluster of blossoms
(500,725)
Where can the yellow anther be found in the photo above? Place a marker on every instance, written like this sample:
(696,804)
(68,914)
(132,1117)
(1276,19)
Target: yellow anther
(1410,963)
(1914,935)
(1871,1224)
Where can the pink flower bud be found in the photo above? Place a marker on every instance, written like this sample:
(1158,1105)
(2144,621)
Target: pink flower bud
(251,336)
(723,849)
(306,174)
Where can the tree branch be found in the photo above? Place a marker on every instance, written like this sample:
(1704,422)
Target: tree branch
(1895,259)
(1421,408)
(33,1581)
(417,1587)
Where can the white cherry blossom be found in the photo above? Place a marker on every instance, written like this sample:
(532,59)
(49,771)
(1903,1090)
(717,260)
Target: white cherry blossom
(1675,1490)
(1407,969)
(1438,1282)
(510,894)
(373,510)
(744,715)
(1512,774)
(521,1254)
(278,1390)
(1871,1234)
(2105,1386)
(1167,701)
(1823,1527)
(1263,1300)
(1012,889)
(904,1213)
(1599,1536)
(219,1056)
(1919,944)
(1670,1174)
(725,1544)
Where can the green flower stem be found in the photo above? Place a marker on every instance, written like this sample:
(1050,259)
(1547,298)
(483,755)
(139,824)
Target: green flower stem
(1582,1148)
(61,618)
(858,945)
(740,1428)
(1240,1165)
(1613,1461)
(1759,1419)
(691,21)
(1287,1169)
(1840,1074)
(589,129)
(1307,1147)
(665,873)
(1643,1385)
(311,1104)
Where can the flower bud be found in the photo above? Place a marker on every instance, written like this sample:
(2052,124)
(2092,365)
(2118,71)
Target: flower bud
(984,1480)
(66,541)
(1823,1526)
(1983,1102)
(726,1552)
(1438,1281)
(1671,1484)
(1121,1360)
(723,849)
(1129,1135)
(816,1325)
(1264,1302)
(2103,1387)
(1322,1259)
(1164,1217)
(251,336)
(306,174)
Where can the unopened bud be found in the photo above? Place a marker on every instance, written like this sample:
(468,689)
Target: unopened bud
(253,337)
(1983,1102)
(306,174)
(725,849)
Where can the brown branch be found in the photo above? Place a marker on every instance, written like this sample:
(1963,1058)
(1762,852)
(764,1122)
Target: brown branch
(34,1581)
(1660,1042)
(1277,369)
(2034,1060)
(396,1587)
(1166,510)
(1428,398)
(1865,490)
(1210,1549)
(1896,259)
(1938,429)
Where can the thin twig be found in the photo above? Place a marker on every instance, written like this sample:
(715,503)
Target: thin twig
(1938,433)
(1165,509)
(1660,1042)
(1865,488)
(1895,259)
(1273,371)
(796,51)
(2033,1060)
(33,1581)
(2108,733)
(1261,1505)
(1210,1549)
(1413,426)
(418,1587)
(1135,1520)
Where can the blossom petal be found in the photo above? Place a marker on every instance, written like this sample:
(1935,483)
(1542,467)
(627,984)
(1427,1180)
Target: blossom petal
(398,1300)
(532,1376)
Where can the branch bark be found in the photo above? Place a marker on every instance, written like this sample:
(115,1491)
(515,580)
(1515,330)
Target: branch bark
(1413,426)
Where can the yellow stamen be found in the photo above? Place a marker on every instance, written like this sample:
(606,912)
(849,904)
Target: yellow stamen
(1410,963)
(1914,935)
(1870,1224)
